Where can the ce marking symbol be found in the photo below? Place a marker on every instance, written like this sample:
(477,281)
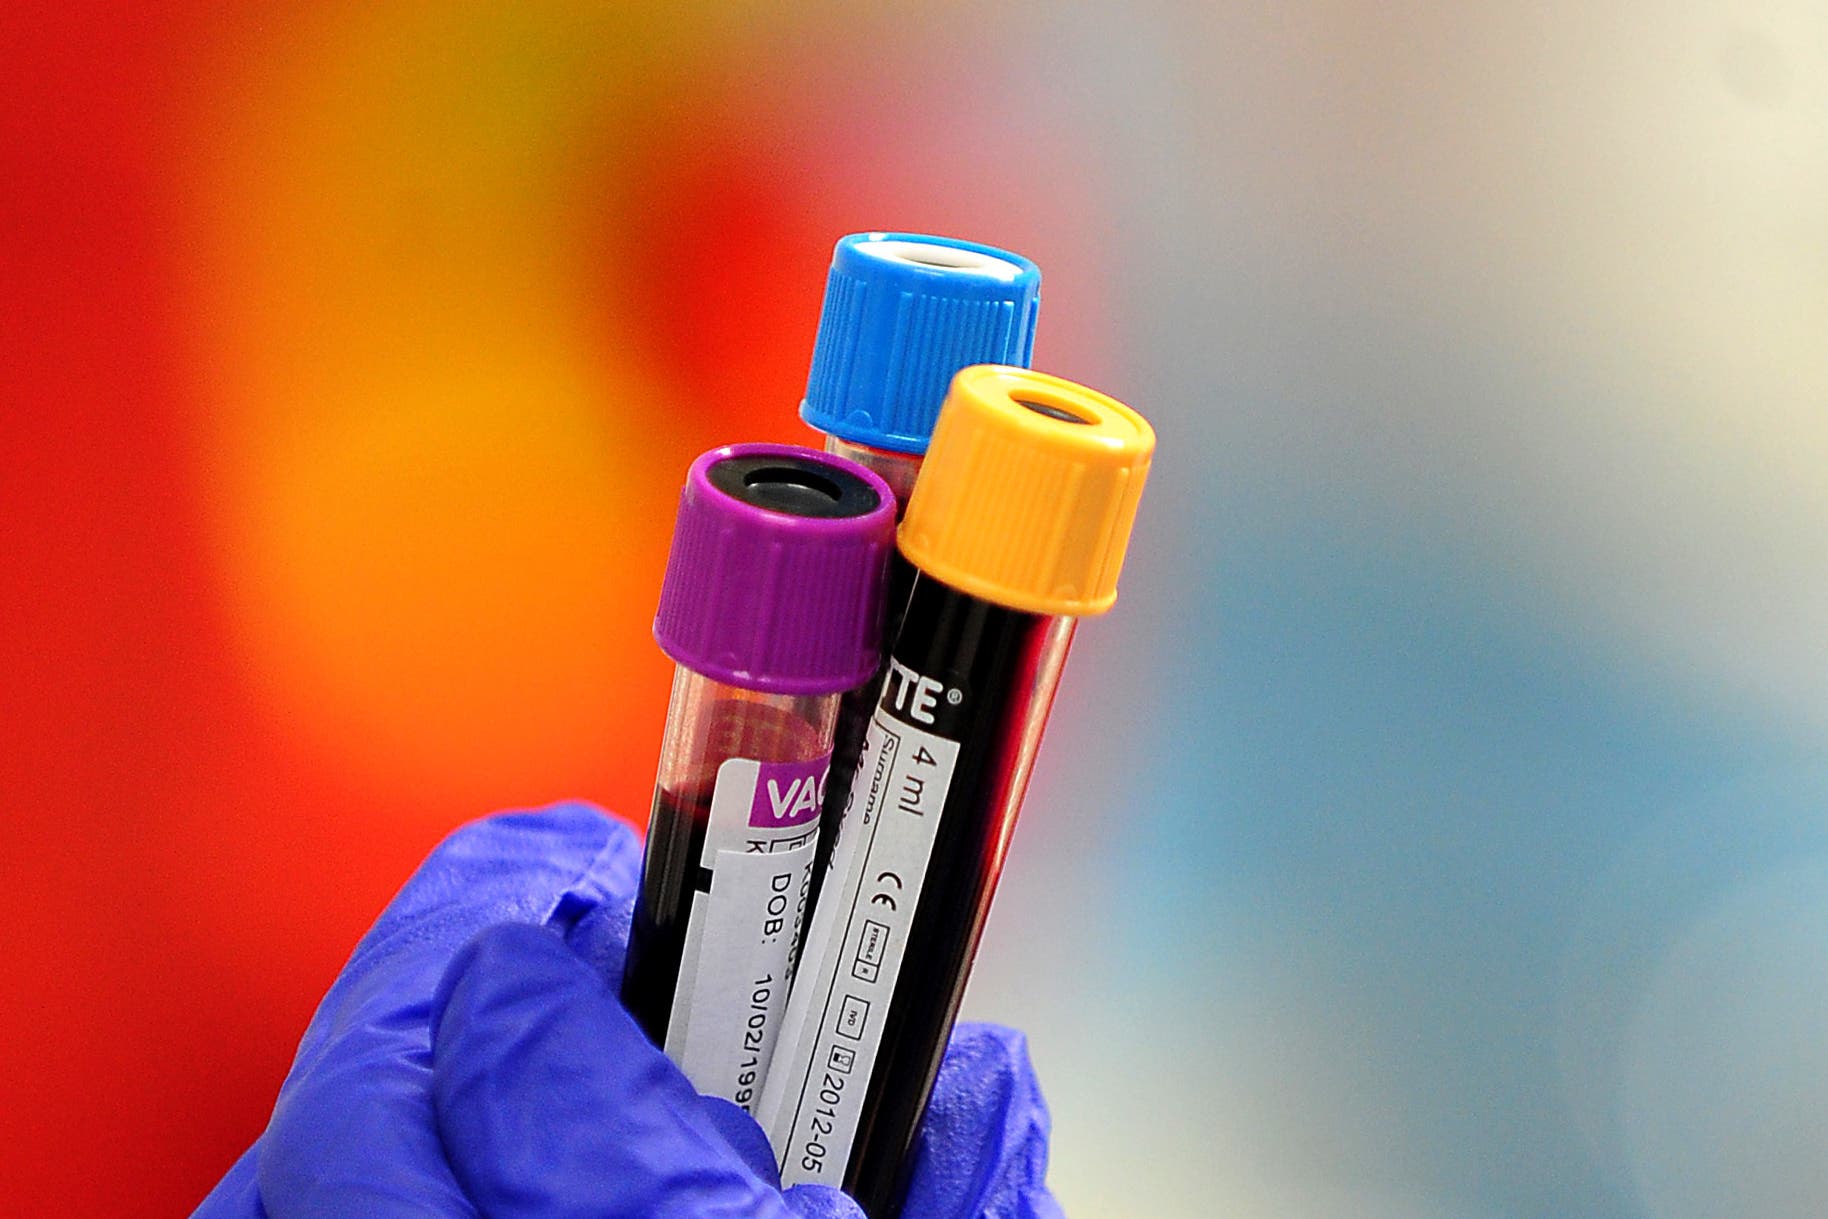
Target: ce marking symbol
(883,897)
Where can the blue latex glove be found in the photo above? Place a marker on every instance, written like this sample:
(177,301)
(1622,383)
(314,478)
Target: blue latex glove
(473,1059)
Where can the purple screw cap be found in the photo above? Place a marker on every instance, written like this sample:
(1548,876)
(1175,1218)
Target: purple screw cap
(775,580)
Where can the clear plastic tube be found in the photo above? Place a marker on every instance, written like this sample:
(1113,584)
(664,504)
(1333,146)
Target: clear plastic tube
(896,469)
(735,805)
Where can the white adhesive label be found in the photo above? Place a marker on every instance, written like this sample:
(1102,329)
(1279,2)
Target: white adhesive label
(745,922)
(814,1094)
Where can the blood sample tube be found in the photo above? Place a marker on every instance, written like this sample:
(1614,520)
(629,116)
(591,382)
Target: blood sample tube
(1017,527)
(903,312)
(771,608)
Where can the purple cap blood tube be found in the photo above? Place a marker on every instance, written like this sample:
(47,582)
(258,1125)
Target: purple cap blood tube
(772,608)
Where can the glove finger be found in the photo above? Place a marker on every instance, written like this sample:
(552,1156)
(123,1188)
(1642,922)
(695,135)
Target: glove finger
(352,1132)
(355,1135)
(600,934)
(552,1104)
(552,864)
(824,1202)
(745,1136)
(750,1142)
(237,1195)
(982,1148)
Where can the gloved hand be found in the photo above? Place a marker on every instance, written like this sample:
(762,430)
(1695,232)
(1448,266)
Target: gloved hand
(473,1059)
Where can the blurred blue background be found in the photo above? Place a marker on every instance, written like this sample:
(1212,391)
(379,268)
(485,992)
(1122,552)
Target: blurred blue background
(1438,827)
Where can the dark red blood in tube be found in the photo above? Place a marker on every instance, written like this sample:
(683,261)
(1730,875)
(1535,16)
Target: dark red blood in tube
(1005,663)
(735,727)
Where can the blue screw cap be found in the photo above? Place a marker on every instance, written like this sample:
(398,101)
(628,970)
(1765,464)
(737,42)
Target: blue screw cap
(903,313)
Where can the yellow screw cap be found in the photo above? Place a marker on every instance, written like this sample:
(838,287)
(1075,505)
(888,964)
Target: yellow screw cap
(1028,491)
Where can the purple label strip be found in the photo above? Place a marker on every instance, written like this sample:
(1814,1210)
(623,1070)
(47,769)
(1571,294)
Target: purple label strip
(788,793)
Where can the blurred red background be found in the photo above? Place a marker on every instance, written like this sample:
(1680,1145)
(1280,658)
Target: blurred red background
(351,356)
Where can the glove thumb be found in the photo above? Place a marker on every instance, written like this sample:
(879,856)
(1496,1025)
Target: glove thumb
(552,1104)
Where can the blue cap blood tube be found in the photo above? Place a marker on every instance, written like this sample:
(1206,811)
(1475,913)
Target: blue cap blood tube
(903,313)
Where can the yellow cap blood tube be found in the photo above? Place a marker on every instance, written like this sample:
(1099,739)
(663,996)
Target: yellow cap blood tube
(772,607)
(1017,527)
